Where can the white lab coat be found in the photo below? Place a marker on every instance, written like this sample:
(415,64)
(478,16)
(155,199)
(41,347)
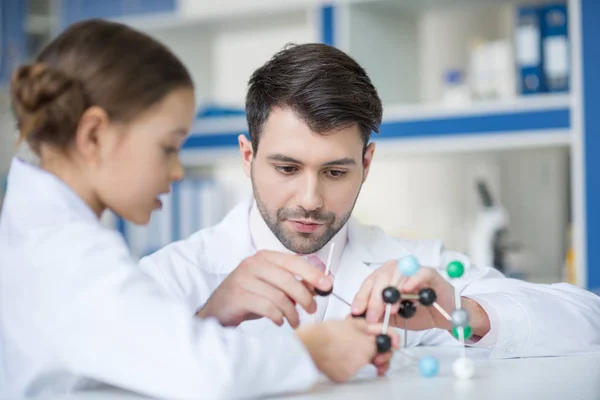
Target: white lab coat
(526,319)
(76,313)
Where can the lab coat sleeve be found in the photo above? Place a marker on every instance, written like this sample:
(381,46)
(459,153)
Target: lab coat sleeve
(176,269)
(121,329)
(528,319)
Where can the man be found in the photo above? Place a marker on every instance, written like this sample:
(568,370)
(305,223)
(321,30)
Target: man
(310,111)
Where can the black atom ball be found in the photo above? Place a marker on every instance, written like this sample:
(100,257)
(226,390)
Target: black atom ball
(407,309)
(390,295)
(324,293)
(427,297)
(384,343)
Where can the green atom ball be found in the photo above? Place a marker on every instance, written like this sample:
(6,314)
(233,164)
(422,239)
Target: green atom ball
(468,332)
(455,269)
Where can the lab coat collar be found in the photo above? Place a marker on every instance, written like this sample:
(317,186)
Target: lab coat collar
(45,193)
(367,246)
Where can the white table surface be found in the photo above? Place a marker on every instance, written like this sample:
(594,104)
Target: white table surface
(549,378)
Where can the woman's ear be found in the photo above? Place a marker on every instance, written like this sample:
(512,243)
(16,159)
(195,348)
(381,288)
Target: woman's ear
(91,134)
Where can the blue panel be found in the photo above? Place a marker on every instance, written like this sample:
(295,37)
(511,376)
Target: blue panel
(157,6)
(556,28)
(512,122)
(209,111)
(3,80)
(12,37)
(101,9)
(497,123)
(213,140)
(590,28)
(77,10)
(327,25)
(71,12)
(531,76)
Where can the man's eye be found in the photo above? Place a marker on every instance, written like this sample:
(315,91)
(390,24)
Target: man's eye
(286,169)
(335,173)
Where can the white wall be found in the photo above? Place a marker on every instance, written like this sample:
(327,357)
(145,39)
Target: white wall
(535,189)
(426,196)
(193,46)
(385,43)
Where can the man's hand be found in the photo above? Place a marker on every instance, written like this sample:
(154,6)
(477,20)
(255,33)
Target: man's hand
(369,299)
(268,284)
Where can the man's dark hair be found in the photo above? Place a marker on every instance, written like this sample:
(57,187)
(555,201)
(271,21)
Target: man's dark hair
(324,86)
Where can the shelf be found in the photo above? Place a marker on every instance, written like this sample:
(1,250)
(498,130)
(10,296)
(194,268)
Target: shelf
(426,5)
(193,13)
(525,122)
(529,114)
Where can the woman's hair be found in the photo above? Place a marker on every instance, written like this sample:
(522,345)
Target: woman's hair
(92,63)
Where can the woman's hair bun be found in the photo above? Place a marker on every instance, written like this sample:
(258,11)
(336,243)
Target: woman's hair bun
(46,103)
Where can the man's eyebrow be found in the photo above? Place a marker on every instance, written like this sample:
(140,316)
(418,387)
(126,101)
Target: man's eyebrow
(282,158)
(341,161)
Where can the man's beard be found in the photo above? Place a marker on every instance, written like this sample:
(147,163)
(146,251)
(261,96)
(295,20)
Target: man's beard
(302,243)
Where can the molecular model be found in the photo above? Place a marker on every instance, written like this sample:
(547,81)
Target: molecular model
(463,367)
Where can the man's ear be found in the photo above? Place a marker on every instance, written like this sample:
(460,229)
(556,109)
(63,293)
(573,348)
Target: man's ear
(367,159)
(91,134)
(247,154)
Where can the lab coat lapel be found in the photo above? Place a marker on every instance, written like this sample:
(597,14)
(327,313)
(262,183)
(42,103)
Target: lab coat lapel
(350,276)
(229,242)
(367,248)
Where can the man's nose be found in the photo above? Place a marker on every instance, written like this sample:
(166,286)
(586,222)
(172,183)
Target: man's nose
(309,195)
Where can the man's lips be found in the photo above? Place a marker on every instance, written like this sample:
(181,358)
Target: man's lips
(305,226)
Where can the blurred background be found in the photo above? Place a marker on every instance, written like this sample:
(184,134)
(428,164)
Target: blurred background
(481,142)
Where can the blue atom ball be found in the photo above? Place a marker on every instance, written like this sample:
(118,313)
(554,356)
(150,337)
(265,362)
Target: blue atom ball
(428,366)
(408,266)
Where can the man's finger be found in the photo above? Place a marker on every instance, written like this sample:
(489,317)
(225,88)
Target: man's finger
(394,274)
(361,300)
(419,280)
(376,307)
(300,267)
(288,284)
